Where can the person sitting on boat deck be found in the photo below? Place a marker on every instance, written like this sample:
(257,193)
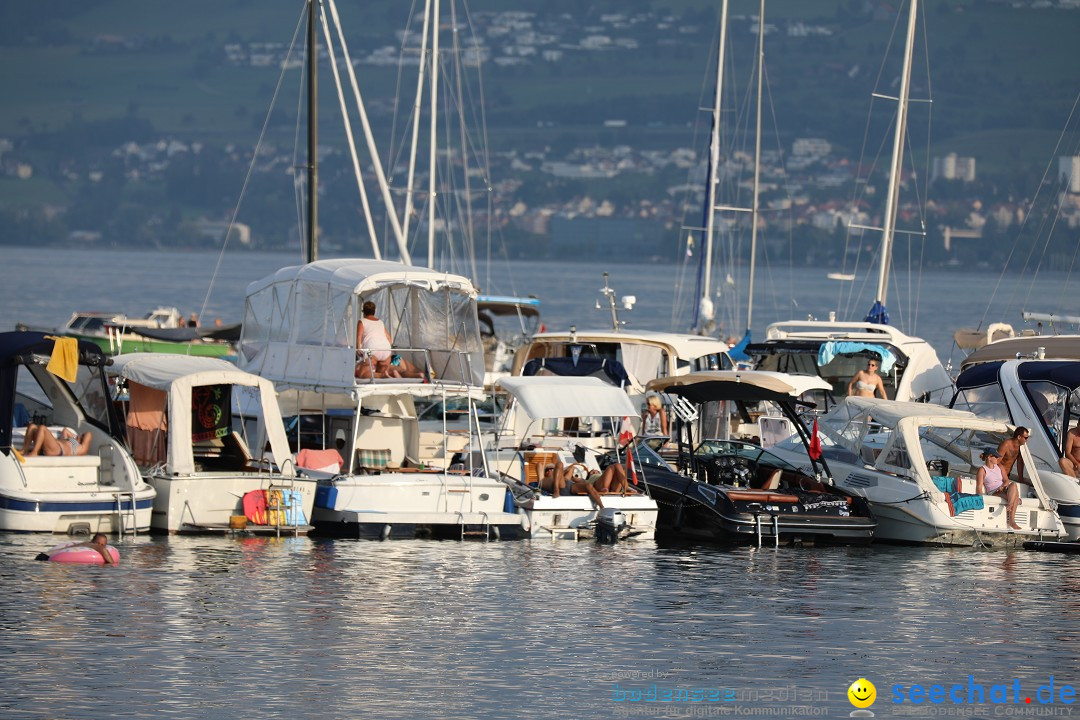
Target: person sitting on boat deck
(1070,461)
(992,480)
(99,542)
(654,419)
(379,361)
(1009,450)
(372,336)
(40,441)
(866,383)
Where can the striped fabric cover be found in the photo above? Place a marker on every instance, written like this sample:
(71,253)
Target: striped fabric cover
(375,459)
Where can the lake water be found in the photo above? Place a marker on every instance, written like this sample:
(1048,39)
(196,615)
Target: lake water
(226,627)
(211,628)
(42,287)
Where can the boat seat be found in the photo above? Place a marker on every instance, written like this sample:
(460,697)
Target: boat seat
(55,461)
(373,458)
(760,496)
(534,465)
(773,481)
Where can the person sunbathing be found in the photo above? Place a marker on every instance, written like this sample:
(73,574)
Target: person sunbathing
(40,441)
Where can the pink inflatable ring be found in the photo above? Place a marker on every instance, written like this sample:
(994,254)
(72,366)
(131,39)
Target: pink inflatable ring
(81,554)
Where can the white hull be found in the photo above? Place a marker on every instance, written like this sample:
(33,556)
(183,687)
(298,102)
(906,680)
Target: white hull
(572,517)
(917,525)
(73,495)
(206,502)
(74,513)
(404,504)
(928,520)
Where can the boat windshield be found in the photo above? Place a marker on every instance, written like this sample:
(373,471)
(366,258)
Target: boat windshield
(745,450)
(987,402)
(1058,408)
(39,393)
(960,449)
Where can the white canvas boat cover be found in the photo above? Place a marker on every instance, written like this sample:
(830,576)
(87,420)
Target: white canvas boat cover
(177,376)
(544,397)
(299,325)
(890,412)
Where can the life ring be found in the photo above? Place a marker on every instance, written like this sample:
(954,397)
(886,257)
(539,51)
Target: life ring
(78,553)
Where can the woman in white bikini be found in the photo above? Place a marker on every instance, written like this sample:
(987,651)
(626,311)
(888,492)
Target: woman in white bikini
(39,441)
(991,481)
(867,382)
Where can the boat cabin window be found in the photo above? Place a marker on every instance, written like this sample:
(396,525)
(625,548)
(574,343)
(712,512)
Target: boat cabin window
(644,362)
(712,361)
(319,431)
(90,324)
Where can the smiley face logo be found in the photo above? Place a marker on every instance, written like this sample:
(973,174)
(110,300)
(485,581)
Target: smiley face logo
(862,693)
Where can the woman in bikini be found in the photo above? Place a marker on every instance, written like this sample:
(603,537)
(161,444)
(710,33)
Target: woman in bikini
(39,441)
(990,480)
(867,382)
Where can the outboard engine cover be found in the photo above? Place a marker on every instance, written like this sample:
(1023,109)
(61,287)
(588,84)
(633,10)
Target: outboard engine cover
(610,522)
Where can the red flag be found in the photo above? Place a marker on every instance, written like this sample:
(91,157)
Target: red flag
(815,444)
(630,464)
(626,431)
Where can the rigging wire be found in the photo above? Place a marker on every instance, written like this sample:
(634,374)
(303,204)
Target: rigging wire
(1027,216)
(251,165)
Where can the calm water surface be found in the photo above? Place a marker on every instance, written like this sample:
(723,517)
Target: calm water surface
(213,627)
(43,286)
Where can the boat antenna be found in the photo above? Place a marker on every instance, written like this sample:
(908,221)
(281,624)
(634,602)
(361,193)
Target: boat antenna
(627,302)
(313,134)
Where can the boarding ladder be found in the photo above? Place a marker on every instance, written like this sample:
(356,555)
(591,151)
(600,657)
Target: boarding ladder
(485,533)
(127,522)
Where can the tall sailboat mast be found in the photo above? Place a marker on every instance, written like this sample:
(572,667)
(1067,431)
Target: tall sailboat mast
(893,197)
(313,132)
(757,166)
(705,305)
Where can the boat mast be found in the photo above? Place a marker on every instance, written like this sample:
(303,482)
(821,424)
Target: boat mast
(705,308)
(892,199)
(434,131)
(757,165)
(313,134)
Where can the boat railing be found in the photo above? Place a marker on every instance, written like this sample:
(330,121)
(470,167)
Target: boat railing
(433,368)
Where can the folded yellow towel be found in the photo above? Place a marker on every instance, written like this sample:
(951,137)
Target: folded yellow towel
(64,362)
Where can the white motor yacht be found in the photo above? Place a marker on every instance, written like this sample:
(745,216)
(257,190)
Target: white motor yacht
(196,426)
(300,333)
(567,421)
(916,463)
(1042,396)
(77,494)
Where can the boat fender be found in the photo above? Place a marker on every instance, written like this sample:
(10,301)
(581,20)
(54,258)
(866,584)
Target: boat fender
(78,554)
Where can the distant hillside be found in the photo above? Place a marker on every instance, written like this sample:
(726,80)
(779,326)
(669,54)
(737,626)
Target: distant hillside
(85,78)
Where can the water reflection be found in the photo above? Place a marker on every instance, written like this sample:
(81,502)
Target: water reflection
(208,627)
